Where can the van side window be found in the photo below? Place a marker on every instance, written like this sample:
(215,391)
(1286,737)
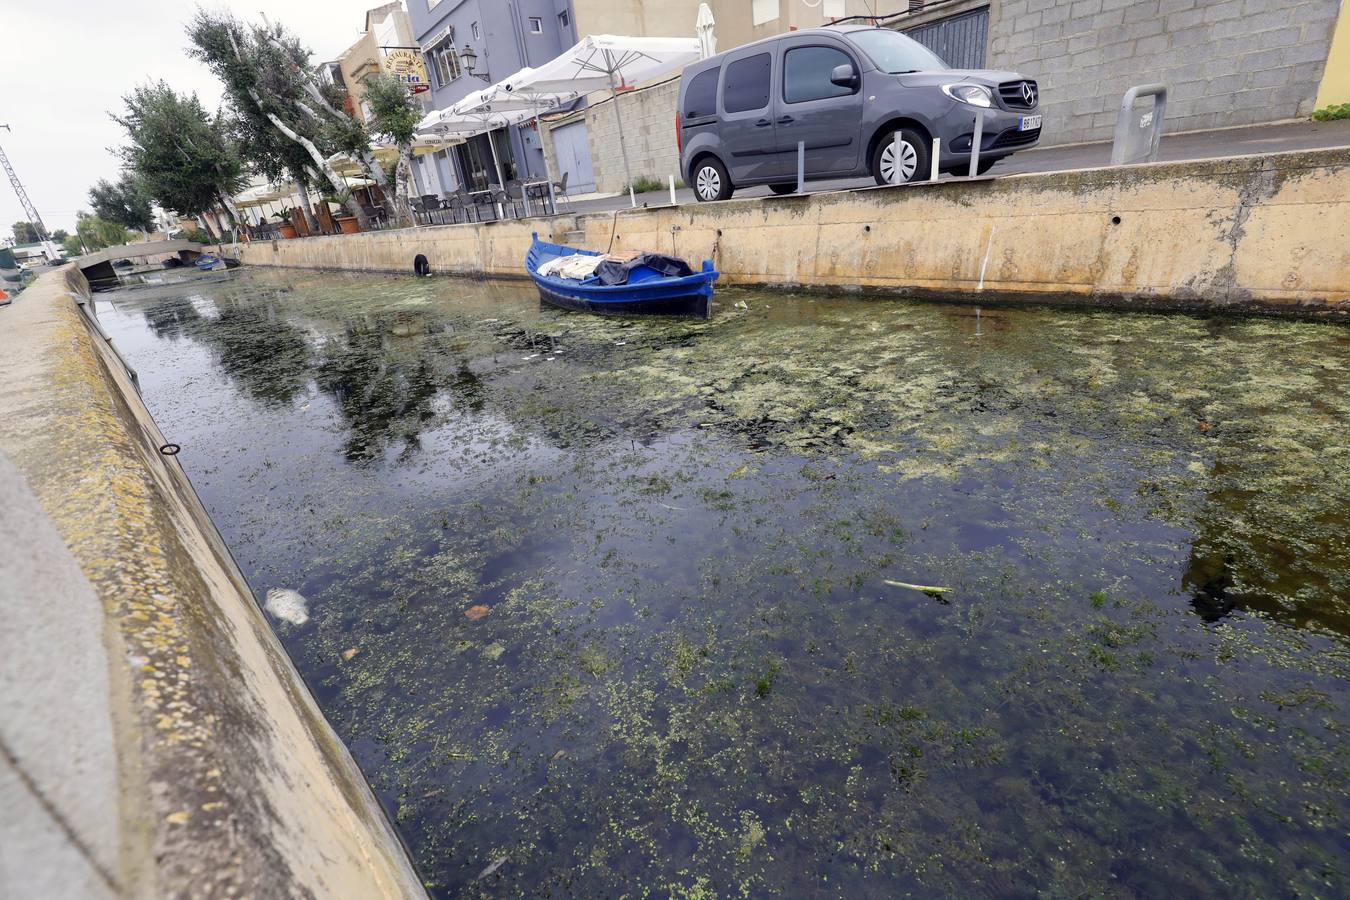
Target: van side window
(806,74)
(747,83)
(701,97)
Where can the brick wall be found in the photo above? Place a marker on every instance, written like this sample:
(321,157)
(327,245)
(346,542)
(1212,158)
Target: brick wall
(1225,62)
(649,132)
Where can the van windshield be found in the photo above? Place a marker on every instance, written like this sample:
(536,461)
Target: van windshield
(892,52)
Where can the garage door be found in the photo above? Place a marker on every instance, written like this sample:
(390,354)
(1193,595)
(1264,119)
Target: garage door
(572,150)
(959,40)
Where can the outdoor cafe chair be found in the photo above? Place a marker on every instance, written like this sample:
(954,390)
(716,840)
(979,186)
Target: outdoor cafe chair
(375,215)
(560,187)
(515,195)
(419,211)
(432,204)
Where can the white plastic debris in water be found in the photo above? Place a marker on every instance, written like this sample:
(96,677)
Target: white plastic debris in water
(287,605)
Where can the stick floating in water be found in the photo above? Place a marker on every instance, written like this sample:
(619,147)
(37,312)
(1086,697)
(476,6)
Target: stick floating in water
(931,590)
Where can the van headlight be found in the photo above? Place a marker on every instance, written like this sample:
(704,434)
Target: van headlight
(974,94)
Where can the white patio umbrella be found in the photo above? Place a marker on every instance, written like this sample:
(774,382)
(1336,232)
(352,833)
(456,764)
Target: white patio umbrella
(466,119)
(703,27)
(609,60)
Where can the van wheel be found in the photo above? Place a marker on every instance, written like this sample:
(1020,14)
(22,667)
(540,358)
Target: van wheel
(913,161)
(711,181)
(781,189)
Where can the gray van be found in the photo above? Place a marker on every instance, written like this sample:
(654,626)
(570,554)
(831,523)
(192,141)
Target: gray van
(844,91)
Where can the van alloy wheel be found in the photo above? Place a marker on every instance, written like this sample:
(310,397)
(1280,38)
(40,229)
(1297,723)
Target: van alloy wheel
(708,183)
(909,162)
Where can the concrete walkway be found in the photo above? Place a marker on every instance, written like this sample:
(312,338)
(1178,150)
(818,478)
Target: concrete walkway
(1193,145)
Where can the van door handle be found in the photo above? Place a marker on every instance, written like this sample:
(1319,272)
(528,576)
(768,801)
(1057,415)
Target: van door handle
(783,120)
(762,122)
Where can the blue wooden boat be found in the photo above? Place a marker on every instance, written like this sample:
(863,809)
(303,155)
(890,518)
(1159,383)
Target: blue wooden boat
(647,292)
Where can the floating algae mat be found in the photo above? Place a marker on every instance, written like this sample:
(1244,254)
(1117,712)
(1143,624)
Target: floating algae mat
(822,597)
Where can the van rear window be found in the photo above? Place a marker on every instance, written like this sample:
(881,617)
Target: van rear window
(701,97)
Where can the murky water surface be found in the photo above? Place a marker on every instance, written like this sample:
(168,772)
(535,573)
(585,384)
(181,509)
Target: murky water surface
(607,607)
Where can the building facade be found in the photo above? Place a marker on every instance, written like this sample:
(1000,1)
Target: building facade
(387,29)
(503,37)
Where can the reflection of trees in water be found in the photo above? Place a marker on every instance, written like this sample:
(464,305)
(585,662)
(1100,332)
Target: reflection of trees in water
(384,376)
(171,317)
(1246,556)
(263,354)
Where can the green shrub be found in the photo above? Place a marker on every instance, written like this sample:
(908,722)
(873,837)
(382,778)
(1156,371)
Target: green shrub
(1330,113)
(645,185)
(196,236)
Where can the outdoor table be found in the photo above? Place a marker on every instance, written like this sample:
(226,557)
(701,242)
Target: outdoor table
(539,190)
(497,206)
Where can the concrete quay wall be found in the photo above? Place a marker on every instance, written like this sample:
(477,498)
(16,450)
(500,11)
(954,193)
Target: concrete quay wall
(1267,233)
(156,740)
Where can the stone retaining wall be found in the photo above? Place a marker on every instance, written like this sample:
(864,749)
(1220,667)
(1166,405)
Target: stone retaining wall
(1268,233)
(156,739)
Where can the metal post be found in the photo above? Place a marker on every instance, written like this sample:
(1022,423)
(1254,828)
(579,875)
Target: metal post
(895,158)
(501,177)
(672,191)
(548,176)
(937,154)
(801,167)
(1129,122)
(975,144)
(618,120)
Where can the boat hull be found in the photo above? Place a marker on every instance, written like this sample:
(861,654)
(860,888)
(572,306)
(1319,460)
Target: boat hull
(697,304)
(689,295)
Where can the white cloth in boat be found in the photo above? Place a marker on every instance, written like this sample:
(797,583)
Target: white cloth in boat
(578,266)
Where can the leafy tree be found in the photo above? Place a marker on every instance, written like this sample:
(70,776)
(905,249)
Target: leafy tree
(96,233)
(60,235)
(268,77)
(72,244)
(182,157)
(124,203)
(394,114)
(25,233)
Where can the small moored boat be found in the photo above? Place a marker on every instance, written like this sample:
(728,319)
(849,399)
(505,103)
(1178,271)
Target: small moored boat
(647,291)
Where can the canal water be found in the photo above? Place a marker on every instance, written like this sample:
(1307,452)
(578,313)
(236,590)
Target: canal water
(823,597)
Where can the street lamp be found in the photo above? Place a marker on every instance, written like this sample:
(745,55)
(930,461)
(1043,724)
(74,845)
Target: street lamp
(469,59)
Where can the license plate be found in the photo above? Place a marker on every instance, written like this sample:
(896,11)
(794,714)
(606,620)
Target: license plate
(1029,123)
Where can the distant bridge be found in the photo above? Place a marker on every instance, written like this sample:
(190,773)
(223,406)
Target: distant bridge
(98,266)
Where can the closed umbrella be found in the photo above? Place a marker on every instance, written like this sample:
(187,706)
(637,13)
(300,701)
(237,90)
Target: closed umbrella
(609,60)
(703,27)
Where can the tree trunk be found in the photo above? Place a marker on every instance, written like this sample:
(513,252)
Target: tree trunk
(233,211)
(333,177)
(403,182)
(308,207)
(206,226)
(375,172)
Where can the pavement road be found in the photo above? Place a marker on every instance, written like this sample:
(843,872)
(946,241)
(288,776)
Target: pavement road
(1193,145)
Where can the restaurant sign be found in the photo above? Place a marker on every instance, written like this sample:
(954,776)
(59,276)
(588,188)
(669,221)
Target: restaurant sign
(406,65)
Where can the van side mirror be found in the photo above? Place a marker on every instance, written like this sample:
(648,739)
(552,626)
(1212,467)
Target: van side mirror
(844,76)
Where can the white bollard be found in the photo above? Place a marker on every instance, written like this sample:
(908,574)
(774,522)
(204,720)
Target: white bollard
(632,198)
(801,167)
(895,158)
(672,191)
(937,152)
(975,144)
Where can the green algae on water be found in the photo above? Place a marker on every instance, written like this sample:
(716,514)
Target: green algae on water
(697,678)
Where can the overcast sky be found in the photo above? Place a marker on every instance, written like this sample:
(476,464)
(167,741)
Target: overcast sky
(64,64)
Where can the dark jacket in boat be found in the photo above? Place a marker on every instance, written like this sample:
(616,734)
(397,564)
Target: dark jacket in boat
(619,271)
